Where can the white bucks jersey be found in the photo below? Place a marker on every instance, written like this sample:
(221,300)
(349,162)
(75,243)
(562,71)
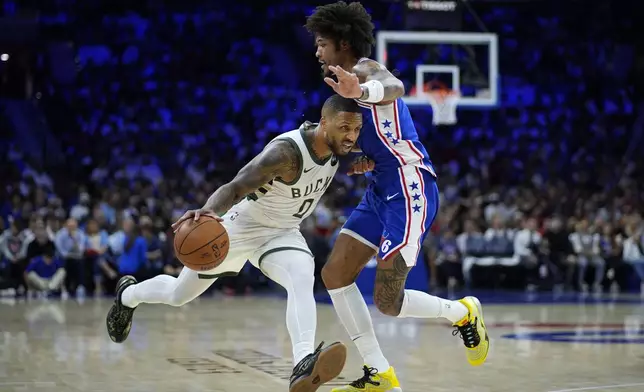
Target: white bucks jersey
(285,204)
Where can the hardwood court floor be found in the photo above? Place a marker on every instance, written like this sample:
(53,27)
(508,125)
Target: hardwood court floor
(241,344)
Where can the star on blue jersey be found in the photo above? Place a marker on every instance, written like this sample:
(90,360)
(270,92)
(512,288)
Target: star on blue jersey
(416,208)
(414,185)
(389,138)
(416,197)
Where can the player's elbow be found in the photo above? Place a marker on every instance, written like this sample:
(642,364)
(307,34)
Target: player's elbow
(399,87)
(237,190)
(394,89)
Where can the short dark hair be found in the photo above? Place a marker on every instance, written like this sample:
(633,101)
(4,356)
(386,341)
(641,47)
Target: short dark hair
(344,22)
(337,103)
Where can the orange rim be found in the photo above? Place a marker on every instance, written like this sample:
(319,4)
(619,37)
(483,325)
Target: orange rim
(438,89)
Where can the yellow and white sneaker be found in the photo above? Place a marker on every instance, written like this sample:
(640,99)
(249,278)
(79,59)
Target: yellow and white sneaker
(473,332)
(372,381)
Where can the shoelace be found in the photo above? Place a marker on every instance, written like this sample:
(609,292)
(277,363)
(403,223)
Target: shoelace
(469,334)
(368,373)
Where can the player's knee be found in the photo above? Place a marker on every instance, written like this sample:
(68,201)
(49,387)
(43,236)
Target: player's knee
(347,259)
(293,270)
(176,300)
(334,277)
(329,276)
(301,282)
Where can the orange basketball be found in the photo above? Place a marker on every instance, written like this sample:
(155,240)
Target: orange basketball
(201,245)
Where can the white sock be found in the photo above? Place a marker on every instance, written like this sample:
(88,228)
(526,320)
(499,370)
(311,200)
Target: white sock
(353,313)
(293,270)
(422,305)
(166,289)
(151,291)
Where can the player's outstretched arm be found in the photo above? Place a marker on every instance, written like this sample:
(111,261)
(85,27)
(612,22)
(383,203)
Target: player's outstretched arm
(369,81)
(280,158)
(371,70)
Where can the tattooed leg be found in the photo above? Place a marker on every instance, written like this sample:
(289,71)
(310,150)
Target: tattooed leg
(391,298)
(389,290)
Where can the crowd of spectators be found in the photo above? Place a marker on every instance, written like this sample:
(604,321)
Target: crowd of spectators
(170,102)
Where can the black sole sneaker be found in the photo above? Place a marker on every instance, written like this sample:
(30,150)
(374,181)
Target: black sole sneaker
(119,318)
(318,368)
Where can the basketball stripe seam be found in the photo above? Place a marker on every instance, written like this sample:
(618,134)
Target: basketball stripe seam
(193,229)
(201,247)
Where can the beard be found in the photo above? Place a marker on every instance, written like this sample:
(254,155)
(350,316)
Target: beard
(338,149)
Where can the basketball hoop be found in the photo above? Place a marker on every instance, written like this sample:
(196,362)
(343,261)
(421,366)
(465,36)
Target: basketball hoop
(443,101)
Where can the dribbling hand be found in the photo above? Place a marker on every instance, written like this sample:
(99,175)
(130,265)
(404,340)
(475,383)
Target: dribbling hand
(347,85)
(361,165)
(195,214)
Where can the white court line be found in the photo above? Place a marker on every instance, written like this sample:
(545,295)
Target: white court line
(34,383)
(600,387)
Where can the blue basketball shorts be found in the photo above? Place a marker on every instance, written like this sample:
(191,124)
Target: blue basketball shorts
(395,213)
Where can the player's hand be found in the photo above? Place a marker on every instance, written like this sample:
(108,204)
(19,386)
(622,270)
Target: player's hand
(361,165)
(195,214)
(347,85)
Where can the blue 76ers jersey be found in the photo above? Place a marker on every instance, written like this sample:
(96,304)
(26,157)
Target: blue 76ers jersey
(389,137)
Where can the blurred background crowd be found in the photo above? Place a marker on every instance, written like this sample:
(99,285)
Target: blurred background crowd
(134,113)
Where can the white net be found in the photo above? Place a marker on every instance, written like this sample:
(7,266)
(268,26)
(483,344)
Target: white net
(443,102)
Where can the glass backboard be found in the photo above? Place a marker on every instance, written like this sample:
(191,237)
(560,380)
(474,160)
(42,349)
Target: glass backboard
(463,61)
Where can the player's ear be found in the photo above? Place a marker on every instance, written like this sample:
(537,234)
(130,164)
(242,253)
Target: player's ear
(323,124)
(344,46)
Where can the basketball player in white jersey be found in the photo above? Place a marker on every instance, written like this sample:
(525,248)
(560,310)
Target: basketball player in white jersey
(263,206)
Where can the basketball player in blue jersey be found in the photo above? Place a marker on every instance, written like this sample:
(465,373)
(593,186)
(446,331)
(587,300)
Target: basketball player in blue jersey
(396,211)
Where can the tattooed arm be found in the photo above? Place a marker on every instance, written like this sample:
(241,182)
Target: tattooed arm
(279,159)
(372,70)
